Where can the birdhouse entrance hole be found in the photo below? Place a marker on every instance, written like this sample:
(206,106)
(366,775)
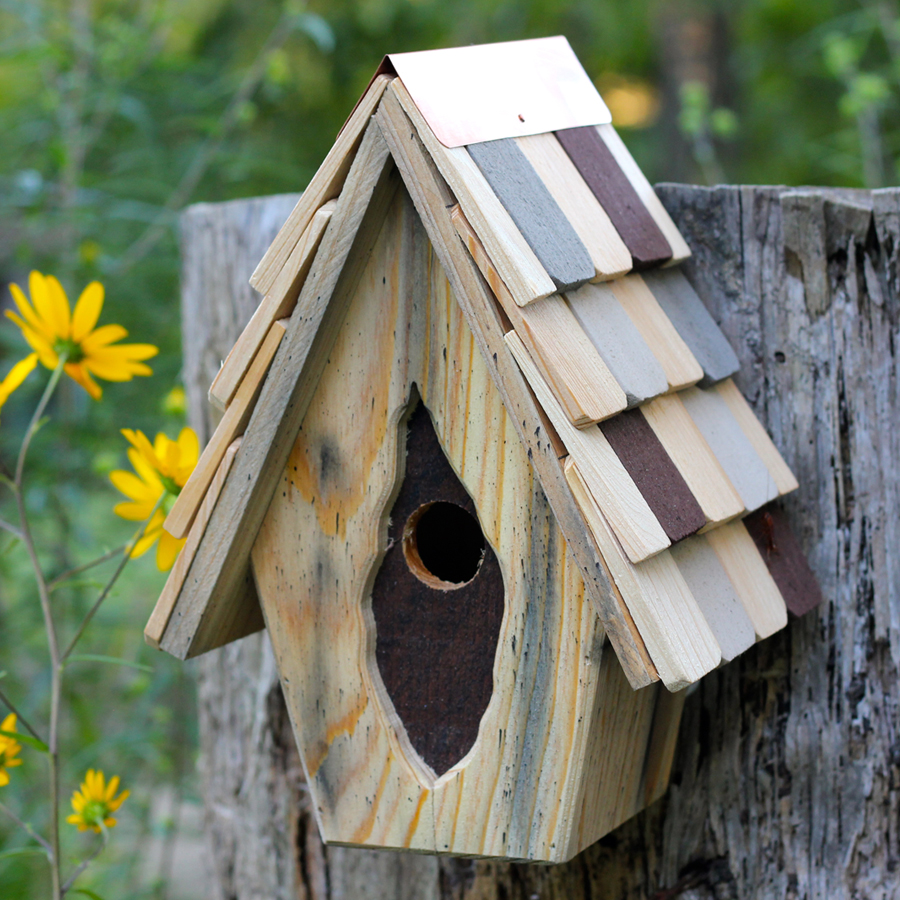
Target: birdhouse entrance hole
(438,601)
(443,545)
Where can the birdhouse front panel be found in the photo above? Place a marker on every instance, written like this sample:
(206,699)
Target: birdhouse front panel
(483,472)
(532,707)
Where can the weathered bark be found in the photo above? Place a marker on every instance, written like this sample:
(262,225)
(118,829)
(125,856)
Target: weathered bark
(787,778)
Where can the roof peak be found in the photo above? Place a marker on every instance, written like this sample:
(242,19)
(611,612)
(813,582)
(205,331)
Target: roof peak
(485,92)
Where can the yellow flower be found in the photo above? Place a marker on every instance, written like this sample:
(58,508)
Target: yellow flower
(9,749)
(53,330)
(17,374)
(162,469)
(95,802)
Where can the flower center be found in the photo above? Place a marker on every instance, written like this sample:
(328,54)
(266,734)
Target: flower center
(169,485)
(95,811)
(69,348)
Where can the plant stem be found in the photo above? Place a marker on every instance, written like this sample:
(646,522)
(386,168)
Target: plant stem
(126,555)
(6,526)
(35,422)
(27,828)
(53,645)
(71,573)
(20,717)
(74,876)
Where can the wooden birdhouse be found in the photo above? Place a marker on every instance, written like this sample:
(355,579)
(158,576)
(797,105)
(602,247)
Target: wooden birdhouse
(482,471)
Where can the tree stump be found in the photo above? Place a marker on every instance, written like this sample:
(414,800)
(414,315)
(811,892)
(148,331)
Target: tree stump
(786,781)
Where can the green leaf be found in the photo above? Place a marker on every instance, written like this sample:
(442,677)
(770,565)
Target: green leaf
(23,851)
(113,660)
(92,894)
(27,740)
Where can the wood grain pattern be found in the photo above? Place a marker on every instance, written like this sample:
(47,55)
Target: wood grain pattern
(654,473)
(278,303)
(162,612)
(511,795)
(619,342)
(782,476)
(696,326)
(325,185)
(711,586)
(663,741)
(598,167)
(694,459)
(232,425)
(607,250)
(676,633)
(534,211)
(765,742)
(751,578)
(516,262)
(209,601)
(643,188)
(784,559)
(610,763)
(737,456)
(613,489)
(680,365)
(435,643)
(576,373)
(433,201)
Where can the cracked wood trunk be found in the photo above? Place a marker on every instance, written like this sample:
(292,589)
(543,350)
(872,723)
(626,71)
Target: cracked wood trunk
(786,781)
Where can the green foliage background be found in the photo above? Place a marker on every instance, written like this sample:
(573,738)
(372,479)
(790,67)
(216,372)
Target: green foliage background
(114,114)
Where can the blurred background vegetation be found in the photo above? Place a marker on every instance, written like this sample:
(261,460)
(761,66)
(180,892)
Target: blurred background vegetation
(115,114)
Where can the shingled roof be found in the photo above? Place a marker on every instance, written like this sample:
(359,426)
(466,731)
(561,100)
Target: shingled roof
(565,265)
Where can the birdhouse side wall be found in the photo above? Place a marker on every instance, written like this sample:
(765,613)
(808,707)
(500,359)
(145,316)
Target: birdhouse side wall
(561,750)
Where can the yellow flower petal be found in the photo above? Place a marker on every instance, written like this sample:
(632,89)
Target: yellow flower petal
(137,368)
(144,544)
(28,313)
(9,723)
(134,488)
(126,351)
(139,441)
(168,550)
(80,375)
(145,469)
(111,788)
(189,444)
(17,374)
(118,801)
(160,442)
(87,311)
(44,306)
(173,457)
(104,335)
(36,341)
(59,304)
(108,370)
(133,512)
